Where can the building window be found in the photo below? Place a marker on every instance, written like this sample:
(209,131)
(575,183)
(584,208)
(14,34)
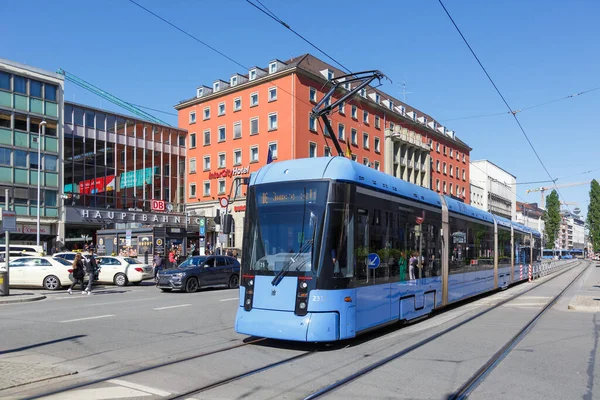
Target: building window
(237,130)
(457,172)
(444,168)
(221,160)
(206,189)
(365,161)
(437,165)
(207,137)
(327,101)
(206,113)
(273,148)
(463,157)
(252,75)
(377,98)
(377,122)
(312,124)
(254,99)
(254,126)
(50,92)
(207,163)
(237,104)
(354,112)
(50,162)
(451,188)
(19,84)
(192,190)
(445,150)
(221,186)
(222,134)
(192,140)
(272,121)
(192,165)
(222,108)
(272,94)
(216,86)
(437,185)
(192,117)
(390,104)
(272,67)
(4,81)
(254,154)
(35,88)
(463,192)
(464,176)
(437,147)
(237,157)
(330,74)
(365,140)
(312,94)
(451,153)
(376,144)
(377,165)
(5,156)
(327,151)
(451,170)
(341,132)
(354,137)
(341,109)
(365,117)
(233,81)
(312,150)
(363,92)
(444,186)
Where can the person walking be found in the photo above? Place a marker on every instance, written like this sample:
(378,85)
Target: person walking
(158,264)
(78,273)
(90,269)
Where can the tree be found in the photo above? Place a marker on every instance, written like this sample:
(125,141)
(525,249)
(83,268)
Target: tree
(593,215)
(552,218)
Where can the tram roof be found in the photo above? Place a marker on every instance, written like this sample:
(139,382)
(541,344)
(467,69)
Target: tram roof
(344,170)
(505,222)
(459,207)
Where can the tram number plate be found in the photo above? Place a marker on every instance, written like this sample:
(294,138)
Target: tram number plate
(318,298)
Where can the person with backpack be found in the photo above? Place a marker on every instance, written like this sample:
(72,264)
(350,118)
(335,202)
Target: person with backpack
(78,273)
(90,268)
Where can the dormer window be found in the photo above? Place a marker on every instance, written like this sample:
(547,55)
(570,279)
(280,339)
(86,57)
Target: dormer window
(363,92)
(216,86)
(199,92)
(402,110)
(377,98)
(347,86)
(252,75)
(272,67)
(414,116)
(329,74)
(233,81)
(424,120)
(391,105)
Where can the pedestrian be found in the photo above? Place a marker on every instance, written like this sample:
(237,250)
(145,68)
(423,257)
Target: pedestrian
(78,273)
(158,264)
(172,257)
(90,269)
(218,251)
(235,254)
(412,264)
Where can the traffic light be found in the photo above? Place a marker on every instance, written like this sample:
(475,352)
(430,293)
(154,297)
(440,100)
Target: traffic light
(217,219)
(227,223)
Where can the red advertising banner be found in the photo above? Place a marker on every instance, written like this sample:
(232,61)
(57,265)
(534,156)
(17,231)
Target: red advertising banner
(98,185)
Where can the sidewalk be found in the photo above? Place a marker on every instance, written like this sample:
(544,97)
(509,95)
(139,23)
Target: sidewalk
(587,297)
(19,296)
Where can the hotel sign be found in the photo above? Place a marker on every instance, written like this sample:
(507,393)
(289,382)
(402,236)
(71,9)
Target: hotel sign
(75,214)
(228,173)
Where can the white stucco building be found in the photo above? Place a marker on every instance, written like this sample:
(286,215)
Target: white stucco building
(499,195)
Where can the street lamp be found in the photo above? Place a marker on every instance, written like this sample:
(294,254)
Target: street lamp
(43,123)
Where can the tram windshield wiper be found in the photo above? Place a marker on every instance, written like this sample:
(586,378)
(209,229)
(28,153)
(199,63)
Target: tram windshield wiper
(291,261)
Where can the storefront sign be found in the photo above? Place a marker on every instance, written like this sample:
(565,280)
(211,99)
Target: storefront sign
(239,208)
(32,229)
(158,205)
(101,246)
(228,173)
(9,221)
(159,245)
(76,215)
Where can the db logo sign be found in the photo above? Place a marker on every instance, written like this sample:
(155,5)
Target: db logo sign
(158,205)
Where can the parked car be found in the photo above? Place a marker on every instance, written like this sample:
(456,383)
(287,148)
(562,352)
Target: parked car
(47,272)
(123,270)
(68,255)
(201,271)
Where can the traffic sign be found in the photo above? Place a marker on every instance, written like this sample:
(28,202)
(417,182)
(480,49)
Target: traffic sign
(128,237)
(223,202)
(374,261)
(9,221)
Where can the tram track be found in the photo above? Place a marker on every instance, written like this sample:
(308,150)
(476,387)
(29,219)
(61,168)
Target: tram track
(472,383)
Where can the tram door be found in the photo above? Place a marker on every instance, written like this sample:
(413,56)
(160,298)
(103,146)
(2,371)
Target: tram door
(373,292)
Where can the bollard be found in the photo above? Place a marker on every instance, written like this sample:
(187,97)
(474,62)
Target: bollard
(4,289)
(520,271)
(530,273)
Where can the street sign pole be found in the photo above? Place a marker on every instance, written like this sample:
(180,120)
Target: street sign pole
(4,277)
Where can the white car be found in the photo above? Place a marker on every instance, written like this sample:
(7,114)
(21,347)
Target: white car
(47,272)
(123,270)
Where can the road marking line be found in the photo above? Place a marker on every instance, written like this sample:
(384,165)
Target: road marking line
(233,298)
(165,308)
(84,319)
(143,388)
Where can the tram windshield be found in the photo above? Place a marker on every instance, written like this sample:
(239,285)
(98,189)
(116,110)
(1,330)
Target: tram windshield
(284,229)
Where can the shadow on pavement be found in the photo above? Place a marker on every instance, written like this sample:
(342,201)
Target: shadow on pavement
(65,339)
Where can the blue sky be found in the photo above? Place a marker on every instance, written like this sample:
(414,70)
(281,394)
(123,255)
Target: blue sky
(535,50)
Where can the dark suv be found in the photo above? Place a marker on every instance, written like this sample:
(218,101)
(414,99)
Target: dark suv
(201,271)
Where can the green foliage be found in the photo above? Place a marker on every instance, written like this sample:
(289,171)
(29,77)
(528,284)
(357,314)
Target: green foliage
(552,218)
(593,215)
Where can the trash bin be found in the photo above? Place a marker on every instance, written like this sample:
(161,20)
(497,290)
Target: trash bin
(4,291)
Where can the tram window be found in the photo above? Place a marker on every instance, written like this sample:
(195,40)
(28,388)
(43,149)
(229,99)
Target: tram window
(471,246)
(338,259)
(361,233)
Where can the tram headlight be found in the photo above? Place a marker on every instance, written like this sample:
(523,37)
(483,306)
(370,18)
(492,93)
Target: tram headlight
(251,282)
(303,285)
(248,301)
(302,305)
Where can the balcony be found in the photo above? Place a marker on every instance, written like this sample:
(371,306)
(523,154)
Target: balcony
(396,159)
(416,165)
(403,161)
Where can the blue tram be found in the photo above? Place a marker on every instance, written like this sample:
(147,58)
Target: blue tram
(333,249)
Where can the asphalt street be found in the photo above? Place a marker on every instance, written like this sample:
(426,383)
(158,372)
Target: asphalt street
(140,343)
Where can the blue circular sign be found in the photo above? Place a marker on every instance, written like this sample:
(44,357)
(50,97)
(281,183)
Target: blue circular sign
(374,260)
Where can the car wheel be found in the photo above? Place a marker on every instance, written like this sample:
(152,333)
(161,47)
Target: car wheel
(120,279)
(234,282)
(51,282)
(165,289)
(191,285)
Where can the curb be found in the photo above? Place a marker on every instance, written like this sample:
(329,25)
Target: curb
(31,297)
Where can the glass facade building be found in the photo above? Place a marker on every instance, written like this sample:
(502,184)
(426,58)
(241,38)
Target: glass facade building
(29,96)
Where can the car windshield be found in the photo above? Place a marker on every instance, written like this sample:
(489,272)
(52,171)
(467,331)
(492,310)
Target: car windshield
(192,262)
(285,221)
(131,260)
(62,261)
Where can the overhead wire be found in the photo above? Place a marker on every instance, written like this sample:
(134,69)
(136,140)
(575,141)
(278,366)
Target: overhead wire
(503,99)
